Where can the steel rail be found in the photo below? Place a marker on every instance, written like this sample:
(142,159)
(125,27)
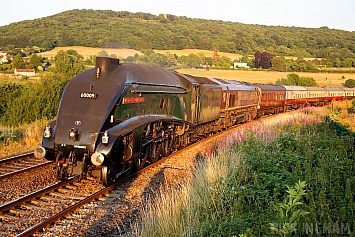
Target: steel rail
(36,228)
(14,158)
(13,173)
(8,206)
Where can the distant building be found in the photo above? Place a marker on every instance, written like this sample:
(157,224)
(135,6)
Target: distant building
(25,72)
(3,58)
(240,64)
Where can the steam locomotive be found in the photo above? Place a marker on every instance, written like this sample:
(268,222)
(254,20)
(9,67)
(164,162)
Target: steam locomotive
(117,117)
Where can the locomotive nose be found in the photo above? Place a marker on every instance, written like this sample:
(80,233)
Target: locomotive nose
(39,152)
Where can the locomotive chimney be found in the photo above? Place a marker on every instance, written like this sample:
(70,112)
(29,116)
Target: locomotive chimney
(104,66)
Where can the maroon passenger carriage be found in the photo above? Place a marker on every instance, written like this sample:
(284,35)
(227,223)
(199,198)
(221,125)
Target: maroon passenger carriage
(239,101)
(272,99)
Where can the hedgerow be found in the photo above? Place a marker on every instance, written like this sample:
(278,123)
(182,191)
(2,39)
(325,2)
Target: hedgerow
(23,104)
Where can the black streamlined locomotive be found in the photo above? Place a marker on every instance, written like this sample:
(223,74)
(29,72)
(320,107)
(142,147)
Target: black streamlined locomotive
(116,117)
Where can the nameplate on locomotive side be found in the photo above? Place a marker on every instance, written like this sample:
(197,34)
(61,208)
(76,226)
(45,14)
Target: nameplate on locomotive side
(133,100)
(88,95)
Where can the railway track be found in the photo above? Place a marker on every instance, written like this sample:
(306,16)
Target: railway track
(39,210)
(17,164)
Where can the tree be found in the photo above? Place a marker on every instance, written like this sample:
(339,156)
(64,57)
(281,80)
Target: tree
(172,58)
(35,61)
(74,53)
(349,62)
(215,56)
(129,59)
(263,59)
(257,59)
(295,80)
(47,45)
(193,60)
(224,62)
(33,101)
(350,83)
(147,51)
(36,49)
(67,64)
(18,62)
(8,92)
(279,64)
(103,53)
(266,59)
(182,59)
(158,60)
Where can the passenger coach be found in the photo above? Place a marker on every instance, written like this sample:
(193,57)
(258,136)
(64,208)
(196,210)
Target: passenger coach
(296,96)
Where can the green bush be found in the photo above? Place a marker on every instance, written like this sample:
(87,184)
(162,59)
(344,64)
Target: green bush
(31,102)
(252,187)
(312,153)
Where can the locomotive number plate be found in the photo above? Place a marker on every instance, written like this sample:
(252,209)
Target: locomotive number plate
(88,95)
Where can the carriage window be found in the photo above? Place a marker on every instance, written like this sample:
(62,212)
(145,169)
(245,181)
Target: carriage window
(232,100)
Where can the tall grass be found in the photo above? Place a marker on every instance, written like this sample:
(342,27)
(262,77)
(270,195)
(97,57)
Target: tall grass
(193,208)
(21,139)
(344,113)
(242,187)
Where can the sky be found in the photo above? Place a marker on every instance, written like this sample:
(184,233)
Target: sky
(335,14)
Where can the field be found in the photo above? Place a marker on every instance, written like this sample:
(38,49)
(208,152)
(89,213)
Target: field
(124,53)
(86,52)
(207,53)
(322,78)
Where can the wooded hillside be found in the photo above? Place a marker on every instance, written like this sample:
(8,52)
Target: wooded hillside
(103,28)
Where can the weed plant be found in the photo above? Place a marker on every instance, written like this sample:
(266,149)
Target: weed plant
(291,179)
(344,113)
(17,140)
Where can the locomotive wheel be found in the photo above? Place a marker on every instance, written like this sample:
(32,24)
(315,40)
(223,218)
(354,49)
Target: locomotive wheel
(61,172)
(167,147)
(155,151)
(140,161)
(108,174)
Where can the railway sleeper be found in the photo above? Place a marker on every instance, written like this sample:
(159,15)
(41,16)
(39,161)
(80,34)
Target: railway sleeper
(18,212)
(7,217)
(66,196)
(32,207)
(40,202)
(54,199)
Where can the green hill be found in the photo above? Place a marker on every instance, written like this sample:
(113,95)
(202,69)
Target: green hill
(104,28)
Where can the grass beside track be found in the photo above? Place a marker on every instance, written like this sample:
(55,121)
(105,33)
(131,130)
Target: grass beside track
(21,139)
(292,178)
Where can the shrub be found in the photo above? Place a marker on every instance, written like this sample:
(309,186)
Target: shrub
(32,102)
(247,192)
